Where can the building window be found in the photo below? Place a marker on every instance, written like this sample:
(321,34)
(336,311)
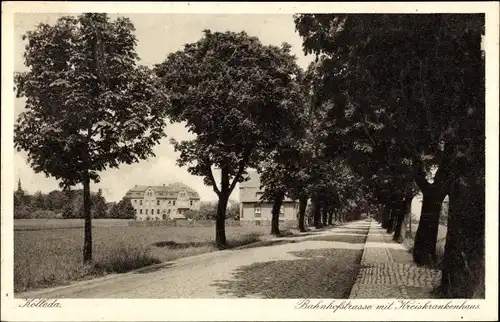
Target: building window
(191,202)
(256,209)
(157,202)
(282,211)
(169,202)
(135,201)
(140,202)
(168,211)
(173,202)
(157,211)
(140,211)
(147,211)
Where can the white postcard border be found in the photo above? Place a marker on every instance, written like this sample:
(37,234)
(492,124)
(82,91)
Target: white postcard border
(225,310)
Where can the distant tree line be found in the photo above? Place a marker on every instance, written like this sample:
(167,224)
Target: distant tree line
(208,211)
(67,204)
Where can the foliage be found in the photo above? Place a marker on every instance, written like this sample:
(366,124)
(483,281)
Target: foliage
(127,211)
(67,211)
(233,210)
(394,91)
(243,85)
(208,210)
(191,214)
(99,205)
(122,210)
(88,105)
(68,204)
(407,94)
(237,96)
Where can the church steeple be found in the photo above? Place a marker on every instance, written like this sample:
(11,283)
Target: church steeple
(19,187)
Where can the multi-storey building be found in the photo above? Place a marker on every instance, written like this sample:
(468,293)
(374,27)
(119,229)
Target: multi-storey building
(163,202)
(252,209)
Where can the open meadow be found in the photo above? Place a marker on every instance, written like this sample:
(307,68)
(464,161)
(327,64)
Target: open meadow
(49,252)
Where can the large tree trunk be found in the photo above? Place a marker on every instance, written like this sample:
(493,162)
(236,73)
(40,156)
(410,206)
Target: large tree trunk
(404,215)
(275,220)
(220,222)
(316,208)
(424,248)
(378,215)
(463,271)
(386,216)
(330,217)
(392,220)
(302,213)
(324,216)
(87,244)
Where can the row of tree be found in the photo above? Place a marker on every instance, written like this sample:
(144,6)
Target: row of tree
(89,107)
(67,204)
(208,211)
(404,95)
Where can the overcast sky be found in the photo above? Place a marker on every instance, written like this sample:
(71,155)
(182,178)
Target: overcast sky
(158,35)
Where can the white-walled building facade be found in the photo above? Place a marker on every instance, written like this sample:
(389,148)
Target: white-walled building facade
(163,202)
(252,209)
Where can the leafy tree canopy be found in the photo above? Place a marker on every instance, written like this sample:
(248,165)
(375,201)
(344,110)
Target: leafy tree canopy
(89,106)
(237,95)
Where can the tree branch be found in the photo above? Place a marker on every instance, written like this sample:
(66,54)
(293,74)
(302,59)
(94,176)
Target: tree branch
(241,168)
(429,119)
(419,175)
(367,133)
(211,178)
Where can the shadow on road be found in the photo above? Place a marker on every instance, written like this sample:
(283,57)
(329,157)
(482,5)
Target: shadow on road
(356,239)
(152,269)
(175,245)
(317,273)
(241,241)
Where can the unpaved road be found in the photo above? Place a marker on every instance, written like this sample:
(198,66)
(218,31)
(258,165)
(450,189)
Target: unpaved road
(318,264)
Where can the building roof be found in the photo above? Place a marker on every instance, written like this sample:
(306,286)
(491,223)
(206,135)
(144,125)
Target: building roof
(253,183)
(164,191)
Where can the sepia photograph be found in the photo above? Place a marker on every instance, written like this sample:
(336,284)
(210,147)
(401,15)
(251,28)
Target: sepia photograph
(307,156)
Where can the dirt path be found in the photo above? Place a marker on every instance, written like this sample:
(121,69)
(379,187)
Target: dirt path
(317,264)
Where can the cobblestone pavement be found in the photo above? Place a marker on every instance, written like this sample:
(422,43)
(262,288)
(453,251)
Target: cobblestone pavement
(387,270)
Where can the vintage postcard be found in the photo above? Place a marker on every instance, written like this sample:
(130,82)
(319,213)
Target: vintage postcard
(250,161)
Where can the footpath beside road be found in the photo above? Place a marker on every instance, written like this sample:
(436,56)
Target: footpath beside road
(387,270)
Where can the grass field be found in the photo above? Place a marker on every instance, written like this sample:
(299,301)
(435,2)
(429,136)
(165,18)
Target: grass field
(46,257)
(38,224)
